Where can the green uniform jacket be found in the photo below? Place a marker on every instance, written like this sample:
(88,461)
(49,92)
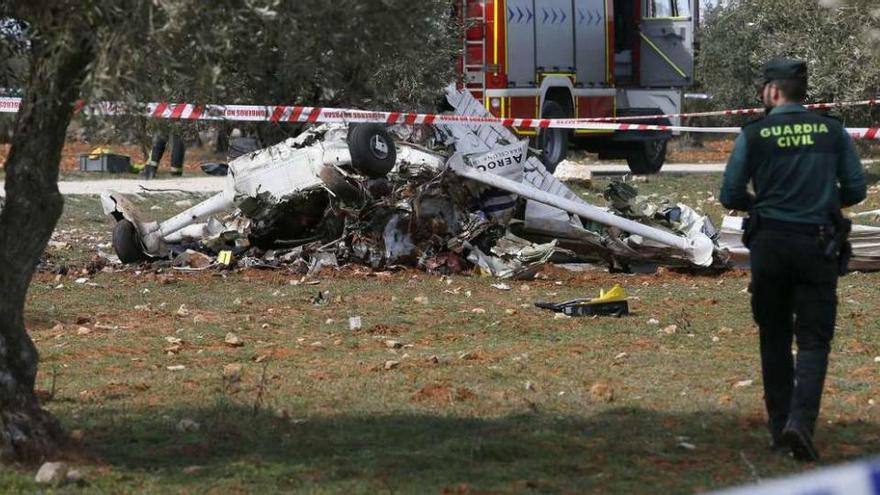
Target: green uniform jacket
(802,166)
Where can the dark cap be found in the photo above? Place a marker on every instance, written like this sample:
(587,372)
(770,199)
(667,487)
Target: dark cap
(783,68)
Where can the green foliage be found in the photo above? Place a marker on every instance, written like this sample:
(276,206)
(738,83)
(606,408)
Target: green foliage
(311,52)
(839,40)
(13,45)
(394,54)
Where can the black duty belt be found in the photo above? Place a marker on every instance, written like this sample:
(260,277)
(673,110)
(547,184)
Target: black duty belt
(794,227)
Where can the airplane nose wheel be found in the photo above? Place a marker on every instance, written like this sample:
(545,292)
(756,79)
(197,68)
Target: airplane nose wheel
(372,150)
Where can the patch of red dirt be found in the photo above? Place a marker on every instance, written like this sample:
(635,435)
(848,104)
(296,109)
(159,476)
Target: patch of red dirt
(713,151)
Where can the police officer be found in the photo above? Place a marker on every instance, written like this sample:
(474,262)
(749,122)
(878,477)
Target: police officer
(803,168)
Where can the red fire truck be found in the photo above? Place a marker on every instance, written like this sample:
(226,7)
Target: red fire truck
(581,58)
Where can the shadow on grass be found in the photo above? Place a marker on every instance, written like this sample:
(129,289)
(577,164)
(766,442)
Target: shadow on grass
(621,451)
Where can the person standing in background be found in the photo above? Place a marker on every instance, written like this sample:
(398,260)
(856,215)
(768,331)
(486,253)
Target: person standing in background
(178,153)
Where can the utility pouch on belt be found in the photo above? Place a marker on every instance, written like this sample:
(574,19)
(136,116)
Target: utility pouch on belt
(750,228)
(837,245)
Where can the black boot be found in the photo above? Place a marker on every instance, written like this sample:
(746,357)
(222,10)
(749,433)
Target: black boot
(807,397)
(149,172)
(776,425)
(777,444)
(800,440)
(777,371)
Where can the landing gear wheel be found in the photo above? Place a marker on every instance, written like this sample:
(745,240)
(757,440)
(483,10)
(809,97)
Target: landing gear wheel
(647,157)
(126,243)
(553,142)
(372,150)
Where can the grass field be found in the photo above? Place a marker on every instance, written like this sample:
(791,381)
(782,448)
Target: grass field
(451,386)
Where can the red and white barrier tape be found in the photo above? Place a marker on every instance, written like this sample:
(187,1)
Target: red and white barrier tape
(294,114)
(867,133)
(740,111)
(9,105)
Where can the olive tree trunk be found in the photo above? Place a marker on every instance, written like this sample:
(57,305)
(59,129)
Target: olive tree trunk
(31,210)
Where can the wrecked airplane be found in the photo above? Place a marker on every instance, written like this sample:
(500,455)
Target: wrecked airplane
(441,197)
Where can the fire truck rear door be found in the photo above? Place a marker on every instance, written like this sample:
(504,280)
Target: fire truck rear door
(591,41)
(521,42)
(554,36)
(667,43)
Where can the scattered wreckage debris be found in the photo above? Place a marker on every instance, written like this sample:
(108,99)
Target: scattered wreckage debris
(611,303)
(441,197)
(865,241)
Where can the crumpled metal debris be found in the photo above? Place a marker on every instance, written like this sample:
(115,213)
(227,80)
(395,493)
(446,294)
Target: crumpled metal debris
(307,204)
(865,240)
(514,257)
(662,213)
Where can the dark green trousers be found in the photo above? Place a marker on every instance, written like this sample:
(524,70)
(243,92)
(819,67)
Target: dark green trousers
(794,296)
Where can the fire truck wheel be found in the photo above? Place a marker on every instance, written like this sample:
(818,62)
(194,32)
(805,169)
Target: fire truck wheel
(648,156)
(372,150)
(553,143)
(126,243)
